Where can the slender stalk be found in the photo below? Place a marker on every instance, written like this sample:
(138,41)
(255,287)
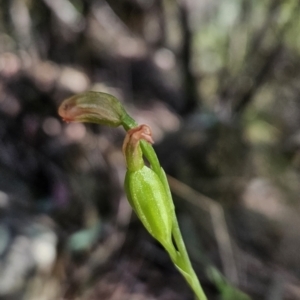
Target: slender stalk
(192,279)
(128,122)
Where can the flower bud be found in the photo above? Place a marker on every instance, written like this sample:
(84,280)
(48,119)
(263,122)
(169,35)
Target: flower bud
(94,107)
(145,191)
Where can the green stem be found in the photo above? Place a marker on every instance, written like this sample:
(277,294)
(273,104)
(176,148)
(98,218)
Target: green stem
(184,260)
(128,122)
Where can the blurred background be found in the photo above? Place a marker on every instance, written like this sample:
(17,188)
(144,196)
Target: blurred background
(218,82)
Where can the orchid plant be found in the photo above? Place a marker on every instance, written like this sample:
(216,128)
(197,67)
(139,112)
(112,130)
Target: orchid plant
(147,188)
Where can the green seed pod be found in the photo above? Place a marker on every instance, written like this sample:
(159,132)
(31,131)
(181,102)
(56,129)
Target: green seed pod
(145,191)
(149,200)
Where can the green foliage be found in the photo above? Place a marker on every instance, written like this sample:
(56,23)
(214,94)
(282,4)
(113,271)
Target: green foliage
(227,291)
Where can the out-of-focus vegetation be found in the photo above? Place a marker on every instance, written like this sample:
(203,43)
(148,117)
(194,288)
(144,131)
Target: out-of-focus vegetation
(218,82)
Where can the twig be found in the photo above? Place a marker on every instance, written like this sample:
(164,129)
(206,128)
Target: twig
(218,221)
